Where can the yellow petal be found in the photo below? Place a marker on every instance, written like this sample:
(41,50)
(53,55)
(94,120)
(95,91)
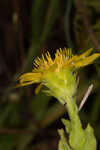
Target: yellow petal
(38,88)
(84,55)
(87,60)
(29,78)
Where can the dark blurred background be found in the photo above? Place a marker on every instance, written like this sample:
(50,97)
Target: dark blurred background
(28,29)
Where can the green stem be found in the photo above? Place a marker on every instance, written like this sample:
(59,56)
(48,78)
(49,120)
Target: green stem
(72,110)
(77,133)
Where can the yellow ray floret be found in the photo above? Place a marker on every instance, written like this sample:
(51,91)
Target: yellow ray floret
(63,59)
(29,78)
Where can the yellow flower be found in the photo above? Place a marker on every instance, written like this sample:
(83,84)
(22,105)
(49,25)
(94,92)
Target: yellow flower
(58,74)
(63,59)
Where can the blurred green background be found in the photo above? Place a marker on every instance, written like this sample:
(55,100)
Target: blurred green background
(28,29)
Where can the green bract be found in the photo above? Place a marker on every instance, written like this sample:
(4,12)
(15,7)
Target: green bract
(60,84)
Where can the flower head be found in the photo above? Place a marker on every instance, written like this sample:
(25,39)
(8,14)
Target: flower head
(58,73)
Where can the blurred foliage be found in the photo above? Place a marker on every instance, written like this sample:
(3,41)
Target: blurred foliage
(26,119)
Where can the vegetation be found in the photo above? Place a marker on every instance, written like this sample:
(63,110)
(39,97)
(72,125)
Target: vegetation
(27,30)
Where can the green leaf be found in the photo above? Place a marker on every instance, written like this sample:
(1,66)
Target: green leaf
(90,139)
(63,145)
(67,125)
